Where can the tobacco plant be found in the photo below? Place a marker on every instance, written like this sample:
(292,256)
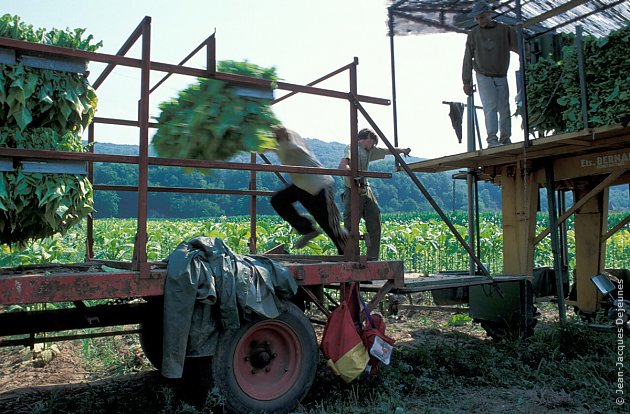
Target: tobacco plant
(419,240)
(42,109)
(553,85)
(210,121)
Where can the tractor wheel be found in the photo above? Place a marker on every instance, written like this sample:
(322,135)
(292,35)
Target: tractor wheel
(151,331)
(267,364)
(495,330)
(514,329)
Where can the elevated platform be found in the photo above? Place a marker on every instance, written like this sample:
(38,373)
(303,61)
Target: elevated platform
(585,163)
(577,154)
(415,282)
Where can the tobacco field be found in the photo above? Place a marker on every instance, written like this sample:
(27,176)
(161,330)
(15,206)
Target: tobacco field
(422,241)
(444,363)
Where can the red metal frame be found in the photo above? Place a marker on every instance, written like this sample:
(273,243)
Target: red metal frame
(143,279)
(45,287)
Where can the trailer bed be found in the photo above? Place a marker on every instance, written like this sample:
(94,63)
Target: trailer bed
(582,148)
(109,280)
(88,281)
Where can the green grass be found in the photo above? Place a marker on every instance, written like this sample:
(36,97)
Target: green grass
(562,368)
(113,355)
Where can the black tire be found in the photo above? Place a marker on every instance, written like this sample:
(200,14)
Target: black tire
(496,330)
(267,365)
(151,329)
(514,329)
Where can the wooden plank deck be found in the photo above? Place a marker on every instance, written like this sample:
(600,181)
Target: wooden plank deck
(586,142)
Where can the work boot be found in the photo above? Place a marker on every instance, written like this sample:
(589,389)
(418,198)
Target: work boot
(343,239)
(305,238)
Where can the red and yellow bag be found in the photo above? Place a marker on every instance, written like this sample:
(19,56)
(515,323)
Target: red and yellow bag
(342,345)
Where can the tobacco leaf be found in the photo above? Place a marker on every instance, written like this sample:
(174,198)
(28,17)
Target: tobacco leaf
(553,85)
(210,121)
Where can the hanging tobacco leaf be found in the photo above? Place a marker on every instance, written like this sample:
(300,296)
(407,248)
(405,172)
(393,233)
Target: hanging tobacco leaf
(45,98)
(43,109)
(553,86)
(37,205)
(209,121)
(14,28)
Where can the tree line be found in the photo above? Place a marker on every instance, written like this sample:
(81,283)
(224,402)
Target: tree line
(397,194)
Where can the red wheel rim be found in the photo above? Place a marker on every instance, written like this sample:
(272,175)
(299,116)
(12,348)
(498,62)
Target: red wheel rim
(267,360)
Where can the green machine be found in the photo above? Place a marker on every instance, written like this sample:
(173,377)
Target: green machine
(505,308)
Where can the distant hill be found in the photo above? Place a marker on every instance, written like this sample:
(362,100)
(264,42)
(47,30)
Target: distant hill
(397,194)
(328,153)
(119,149)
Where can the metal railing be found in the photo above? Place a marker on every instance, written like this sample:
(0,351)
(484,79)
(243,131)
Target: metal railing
(143,34)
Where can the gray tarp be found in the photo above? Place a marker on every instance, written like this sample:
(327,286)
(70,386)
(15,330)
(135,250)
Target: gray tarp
(208,288)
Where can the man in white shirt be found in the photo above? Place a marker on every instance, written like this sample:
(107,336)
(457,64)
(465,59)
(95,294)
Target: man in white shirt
(314,191)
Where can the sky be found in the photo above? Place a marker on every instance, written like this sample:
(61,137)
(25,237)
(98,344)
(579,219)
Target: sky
(304,40)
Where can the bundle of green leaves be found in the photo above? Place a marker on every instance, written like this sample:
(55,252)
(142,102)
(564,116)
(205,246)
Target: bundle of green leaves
(209,121)
(43,109)
(14,28)
(553,86)
(32,97)
(38,205)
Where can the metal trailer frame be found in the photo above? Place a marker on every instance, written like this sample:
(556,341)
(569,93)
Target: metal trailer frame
(141,278)
(137,287)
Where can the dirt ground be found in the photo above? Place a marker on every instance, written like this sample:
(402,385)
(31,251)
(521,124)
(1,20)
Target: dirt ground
(16,373)
(23,380)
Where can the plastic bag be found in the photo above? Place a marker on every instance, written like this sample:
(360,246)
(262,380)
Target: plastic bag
(380,346)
